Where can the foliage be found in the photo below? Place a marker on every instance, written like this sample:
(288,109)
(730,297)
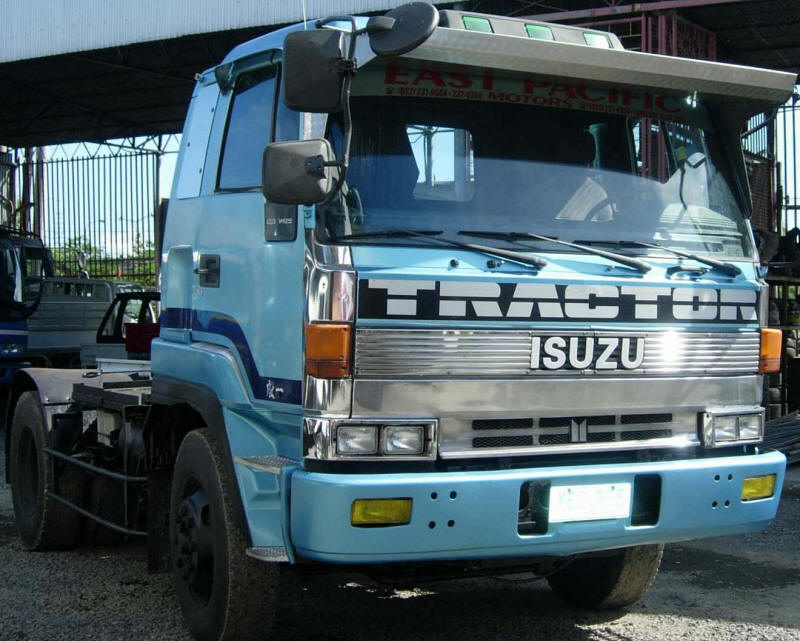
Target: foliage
(138,266)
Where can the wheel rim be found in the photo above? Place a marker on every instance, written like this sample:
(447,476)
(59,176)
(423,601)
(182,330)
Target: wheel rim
(194,543)
(28,473)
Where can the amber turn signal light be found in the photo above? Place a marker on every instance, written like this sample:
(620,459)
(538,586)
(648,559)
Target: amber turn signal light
(328,347)
(770,359)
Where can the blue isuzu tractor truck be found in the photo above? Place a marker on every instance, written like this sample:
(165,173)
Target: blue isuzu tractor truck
(443,293)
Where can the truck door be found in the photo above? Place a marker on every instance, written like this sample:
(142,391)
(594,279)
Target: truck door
(247,290)
(177,275)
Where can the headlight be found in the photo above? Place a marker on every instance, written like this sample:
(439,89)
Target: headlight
(403,439)
(357,439)
(750,427)
(378,439)
(727,427)
(12,349)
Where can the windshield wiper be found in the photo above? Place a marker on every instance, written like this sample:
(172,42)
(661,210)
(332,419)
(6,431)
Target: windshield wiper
(513,236)
(431,235)
(728,269)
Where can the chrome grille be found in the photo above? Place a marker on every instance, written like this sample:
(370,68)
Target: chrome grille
(425,353)
(559,434)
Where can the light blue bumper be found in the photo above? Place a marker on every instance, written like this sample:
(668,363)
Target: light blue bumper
(484,510)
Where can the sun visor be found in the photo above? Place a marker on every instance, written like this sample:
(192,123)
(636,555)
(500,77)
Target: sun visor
(483,54)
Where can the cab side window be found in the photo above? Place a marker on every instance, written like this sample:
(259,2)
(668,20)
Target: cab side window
(248,130)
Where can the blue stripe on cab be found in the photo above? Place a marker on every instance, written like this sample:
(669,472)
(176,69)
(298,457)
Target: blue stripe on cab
(279,390)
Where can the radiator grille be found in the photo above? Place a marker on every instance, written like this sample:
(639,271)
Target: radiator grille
(411,353)
(551,431)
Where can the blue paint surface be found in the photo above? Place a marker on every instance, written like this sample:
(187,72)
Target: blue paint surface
(279,390)
(484,511)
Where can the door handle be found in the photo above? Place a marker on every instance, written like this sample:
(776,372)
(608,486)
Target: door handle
(208,270)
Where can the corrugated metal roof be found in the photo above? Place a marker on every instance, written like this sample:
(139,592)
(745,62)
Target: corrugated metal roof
(39,28)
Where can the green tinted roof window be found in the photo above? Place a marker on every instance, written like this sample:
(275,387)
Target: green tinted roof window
(596,40)
(473,23)
(540,32)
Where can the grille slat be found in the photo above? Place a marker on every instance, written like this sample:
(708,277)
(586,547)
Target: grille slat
(415,353)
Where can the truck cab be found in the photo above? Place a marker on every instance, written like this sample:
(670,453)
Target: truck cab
(528,322)
(491,303)
(24,263)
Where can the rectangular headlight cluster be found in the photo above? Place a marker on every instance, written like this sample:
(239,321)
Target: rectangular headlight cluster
(726,427)
(391,439)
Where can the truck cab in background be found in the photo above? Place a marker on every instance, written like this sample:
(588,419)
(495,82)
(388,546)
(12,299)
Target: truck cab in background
(24,264)
(490,304)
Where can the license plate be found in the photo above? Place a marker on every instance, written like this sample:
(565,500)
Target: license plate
(589,502)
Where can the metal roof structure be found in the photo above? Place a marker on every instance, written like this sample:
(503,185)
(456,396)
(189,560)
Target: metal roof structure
(78,70)
(81,70)
(759,33)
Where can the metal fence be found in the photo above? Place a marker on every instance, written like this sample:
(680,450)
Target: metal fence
(99,215)
(787,122)
(95,211)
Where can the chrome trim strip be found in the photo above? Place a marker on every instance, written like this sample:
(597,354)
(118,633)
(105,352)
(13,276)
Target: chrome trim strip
(683,440)
(269,464)
(329,280)
(426,353)
(328,396)
(330,285)
(330,256)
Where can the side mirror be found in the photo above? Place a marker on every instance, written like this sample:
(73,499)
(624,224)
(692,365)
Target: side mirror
(298,172)
(312,74)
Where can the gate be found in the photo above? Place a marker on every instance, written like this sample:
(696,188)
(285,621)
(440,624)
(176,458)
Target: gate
(94,211)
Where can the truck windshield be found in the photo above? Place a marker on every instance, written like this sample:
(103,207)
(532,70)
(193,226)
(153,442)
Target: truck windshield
(570,162)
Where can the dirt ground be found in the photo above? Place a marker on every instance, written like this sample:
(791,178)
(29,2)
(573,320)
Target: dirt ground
(737,588)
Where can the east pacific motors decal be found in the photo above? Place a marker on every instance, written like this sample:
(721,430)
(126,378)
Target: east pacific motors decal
(478,300)
(530,91)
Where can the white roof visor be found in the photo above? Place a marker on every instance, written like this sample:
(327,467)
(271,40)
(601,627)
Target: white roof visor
(474,50)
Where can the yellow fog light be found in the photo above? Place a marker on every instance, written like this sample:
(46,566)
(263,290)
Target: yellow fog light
(380,512)
(758,487)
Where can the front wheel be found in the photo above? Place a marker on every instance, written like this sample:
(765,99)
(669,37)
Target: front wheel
(610,581)
(223,593)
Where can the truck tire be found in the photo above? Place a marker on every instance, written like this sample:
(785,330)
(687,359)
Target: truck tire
(223,593)
(43,523)
(609,582)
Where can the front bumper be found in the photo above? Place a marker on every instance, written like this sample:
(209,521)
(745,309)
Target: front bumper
(484,506)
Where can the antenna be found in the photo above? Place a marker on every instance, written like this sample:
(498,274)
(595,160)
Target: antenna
(305,20)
